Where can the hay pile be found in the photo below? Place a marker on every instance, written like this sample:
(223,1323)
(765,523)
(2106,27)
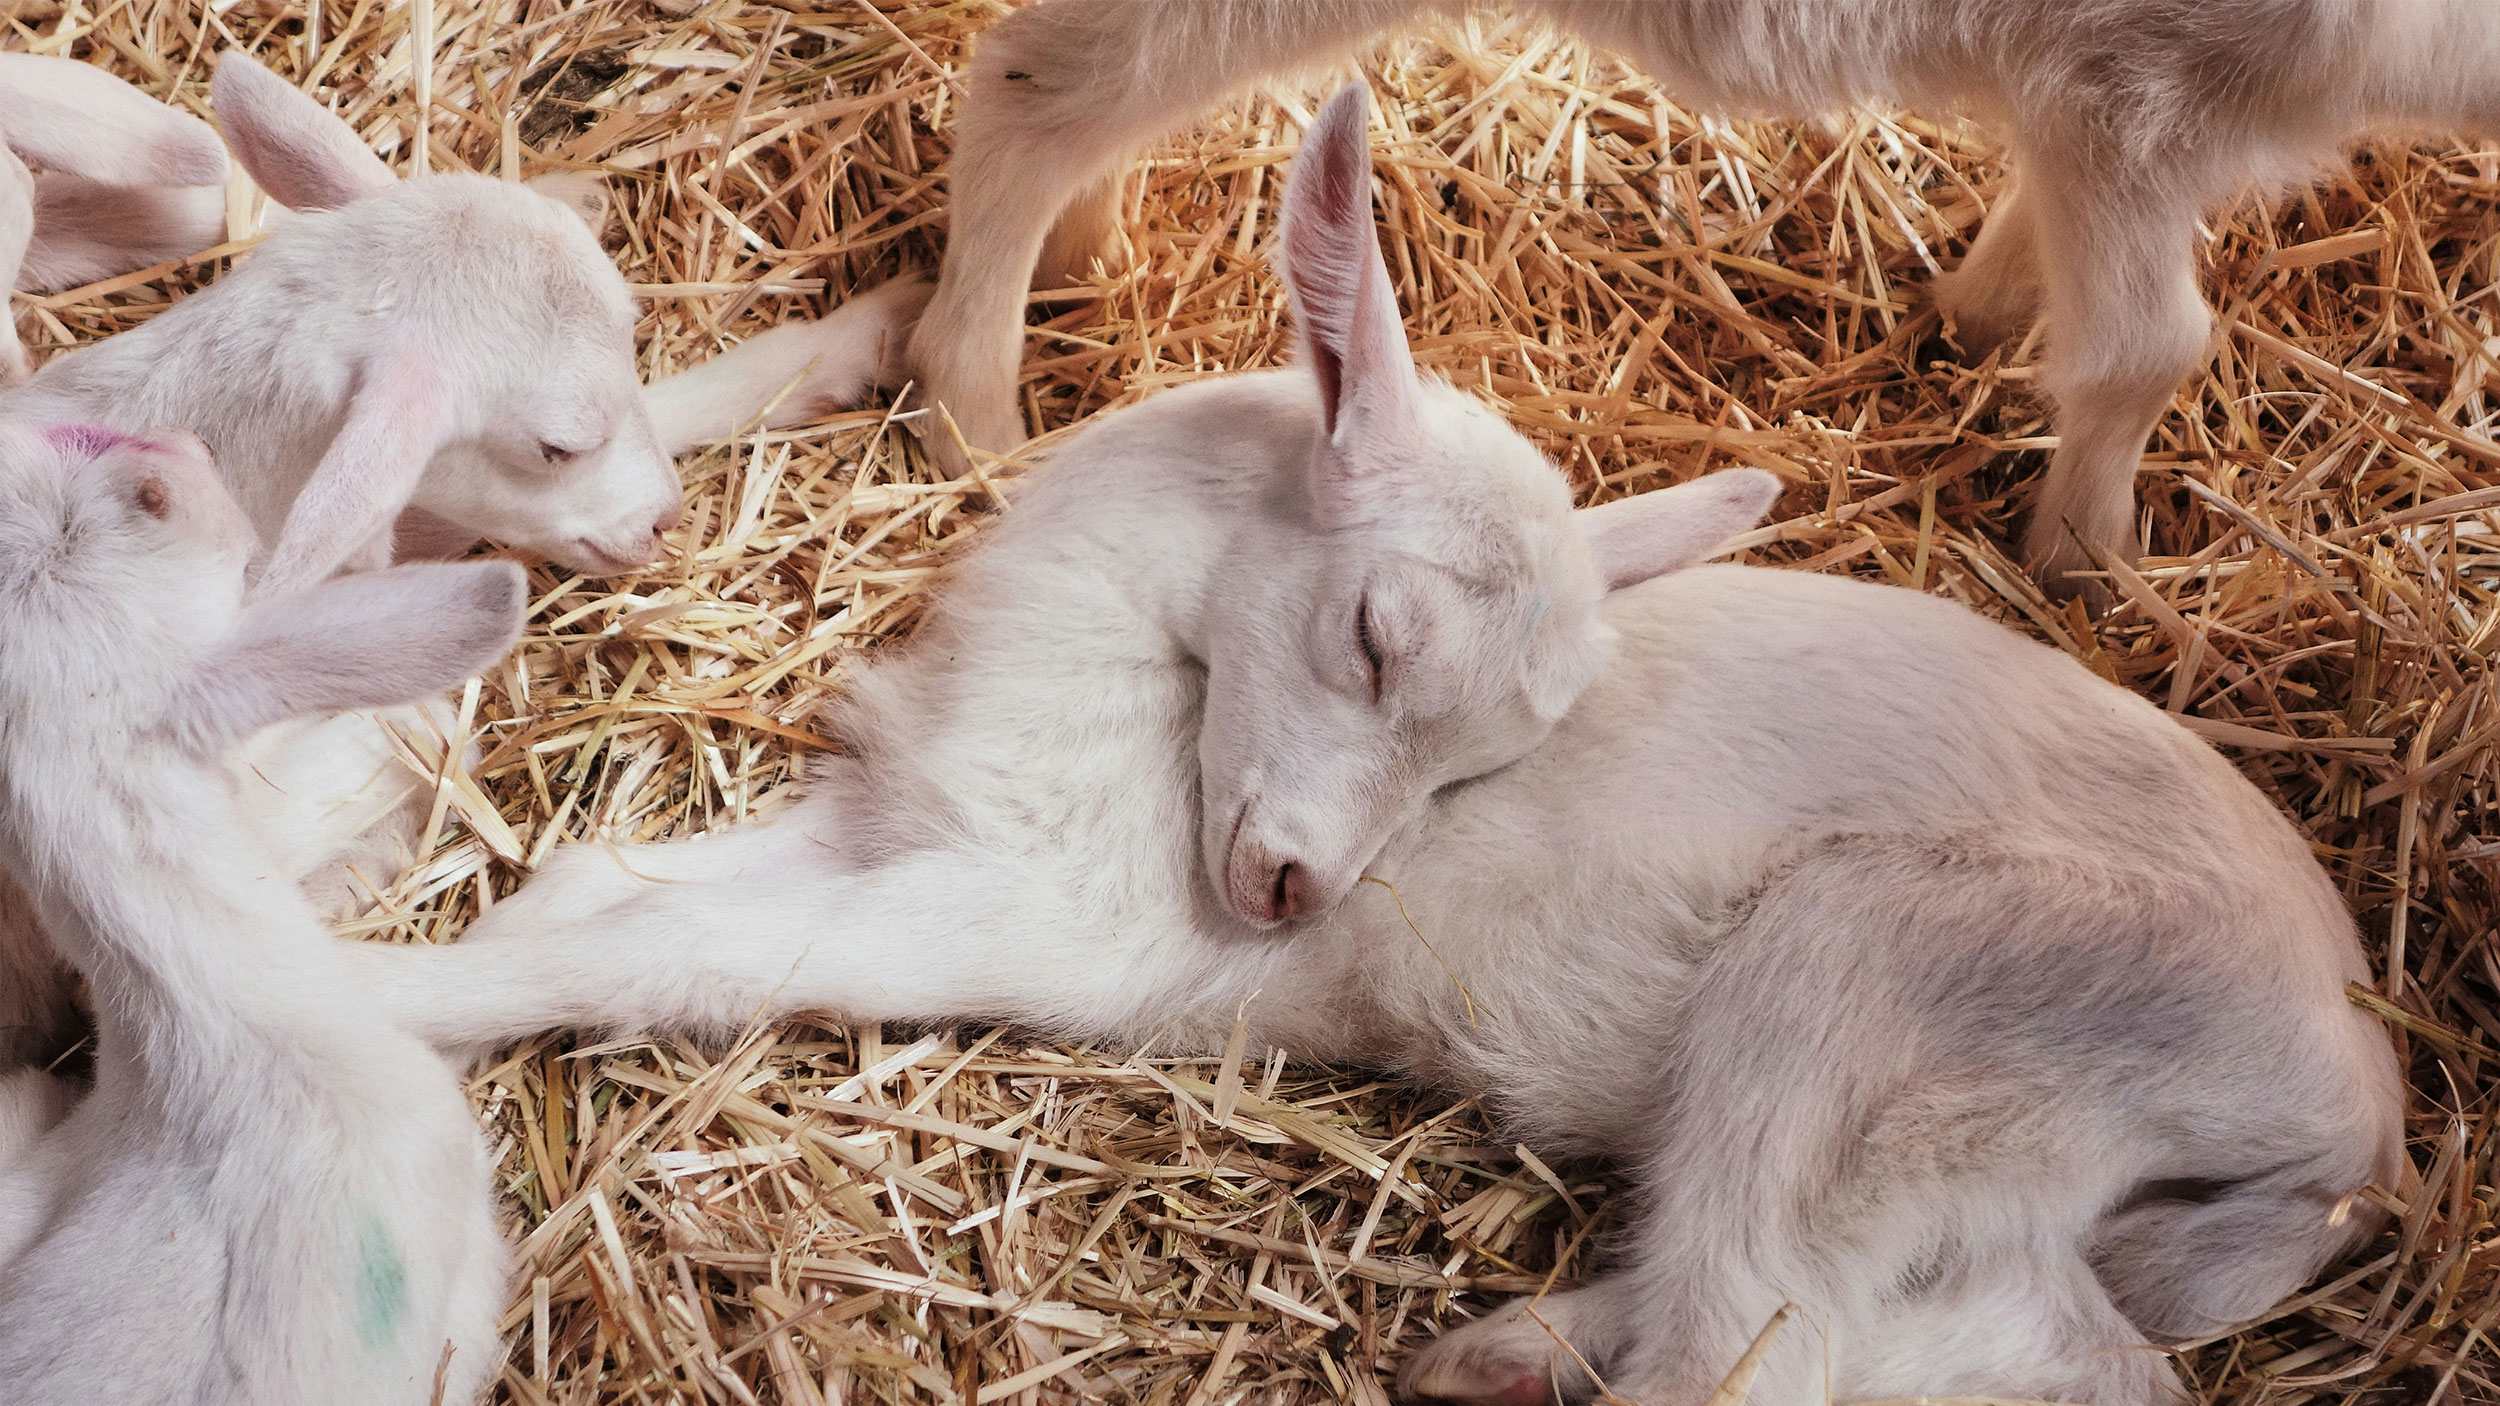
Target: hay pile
(821,1216)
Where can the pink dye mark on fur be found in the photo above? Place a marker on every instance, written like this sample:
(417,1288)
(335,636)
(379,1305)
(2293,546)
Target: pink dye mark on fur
(82,439)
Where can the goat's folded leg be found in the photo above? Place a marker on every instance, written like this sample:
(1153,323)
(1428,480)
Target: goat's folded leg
(1996,291)
(1059,93)
(87,230)
(126,181)
(2126,326)
(17,227)
(1086,232)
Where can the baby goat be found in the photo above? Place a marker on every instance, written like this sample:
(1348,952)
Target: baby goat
(1921,977)
(272,1196)
(2127,119)
(455,346)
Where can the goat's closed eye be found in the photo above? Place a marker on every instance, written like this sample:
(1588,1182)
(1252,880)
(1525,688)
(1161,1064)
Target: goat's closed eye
(1373,659)
(556,453)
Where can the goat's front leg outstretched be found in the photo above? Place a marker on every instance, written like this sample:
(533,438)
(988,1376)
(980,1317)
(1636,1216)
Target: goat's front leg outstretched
(587,877)
(767,932)
(2126,326)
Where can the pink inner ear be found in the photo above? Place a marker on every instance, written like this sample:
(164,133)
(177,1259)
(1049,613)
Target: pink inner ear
(89,441)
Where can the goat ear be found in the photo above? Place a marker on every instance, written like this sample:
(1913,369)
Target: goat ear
(585,193)
(368,641)
(394,424)
(1346,315)
(1652,534)
(76,118)
(299,151)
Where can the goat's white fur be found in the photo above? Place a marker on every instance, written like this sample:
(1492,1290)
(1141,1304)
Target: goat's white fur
(2127,120)
(271,1196)
(405,350)
(125,181)
(1918,975)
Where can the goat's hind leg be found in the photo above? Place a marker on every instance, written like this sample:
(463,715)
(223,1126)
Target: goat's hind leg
(790,374)
(1925,1207)
(1086,232)
(1529,1352)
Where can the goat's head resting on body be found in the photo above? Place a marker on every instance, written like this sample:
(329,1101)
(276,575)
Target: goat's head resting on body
(492,340)
(125,632)
(1424,610)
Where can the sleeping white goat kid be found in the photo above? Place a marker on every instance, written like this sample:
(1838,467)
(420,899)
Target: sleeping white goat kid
(2128,119)
(1922,978)
(124,181)
(272,1196)
(456,345)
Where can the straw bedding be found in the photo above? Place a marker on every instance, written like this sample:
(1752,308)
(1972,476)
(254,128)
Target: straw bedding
(821,1215)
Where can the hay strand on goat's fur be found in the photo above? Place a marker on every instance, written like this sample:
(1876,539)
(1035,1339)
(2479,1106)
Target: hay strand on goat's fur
(983,1220)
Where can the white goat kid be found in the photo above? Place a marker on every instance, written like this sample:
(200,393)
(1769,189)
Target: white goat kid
(283,1198)
(457,344)
(455,347)
(1996,1046)
(2127,118)
(126,181)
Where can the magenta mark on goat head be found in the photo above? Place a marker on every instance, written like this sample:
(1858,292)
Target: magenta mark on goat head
(90,441)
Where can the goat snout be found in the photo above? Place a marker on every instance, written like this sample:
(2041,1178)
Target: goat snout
(1290,896)
(669,520)
(1269,888)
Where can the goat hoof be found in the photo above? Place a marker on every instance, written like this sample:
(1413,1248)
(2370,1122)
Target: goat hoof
(1508,1359)
(2051,562)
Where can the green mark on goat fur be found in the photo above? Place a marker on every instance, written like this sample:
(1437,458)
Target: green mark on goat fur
(381,1286)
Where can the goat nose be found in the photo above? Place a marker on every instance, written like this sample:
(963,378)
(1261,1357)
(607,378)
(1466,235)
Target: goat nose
(1291,897)
(670,520)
